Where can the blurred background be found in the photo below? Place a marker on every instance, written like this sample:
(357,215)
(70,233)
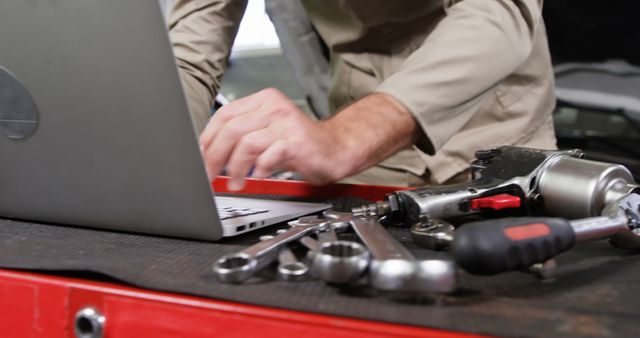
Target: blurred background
(594,48)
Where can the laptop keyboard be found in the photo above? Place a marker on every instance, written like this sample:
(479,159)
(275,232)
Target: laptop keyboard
(233,212)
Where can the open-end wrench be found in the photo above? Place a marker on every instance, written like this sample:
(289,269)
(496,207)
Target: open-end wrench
(393,267)
(237,267)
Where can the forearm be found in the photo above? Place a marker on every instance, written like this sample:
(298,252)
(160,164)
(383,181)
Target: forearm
(199,100)
(202,33)
(370,130)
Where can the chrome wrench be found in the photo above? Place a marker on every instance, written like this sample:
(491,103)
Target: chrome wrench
(290,269)
(338,224)
(324,236)
(240,266)
(393,267)
(334,261)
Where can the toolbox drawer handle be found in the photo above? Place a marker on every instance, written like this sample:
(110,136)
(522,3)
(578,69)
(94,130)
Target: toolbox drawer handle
(89,323)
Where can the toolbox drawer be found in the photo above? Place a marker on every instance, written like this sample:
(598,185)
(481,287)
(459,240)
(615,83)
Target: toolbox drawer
(30,309)
(34,305)
(20,317)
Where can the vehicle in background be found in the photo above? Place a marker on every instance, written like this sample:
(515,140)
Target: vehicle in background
(598,111)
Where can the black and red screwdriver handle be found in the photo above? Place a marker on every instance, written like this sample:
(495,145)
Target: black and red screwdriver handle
(499,245)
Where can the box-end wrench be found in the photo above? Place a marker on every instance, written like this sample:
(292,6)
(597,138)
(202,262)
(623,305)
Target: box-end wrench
(290,269)
(334,261)
(393,267)
(340,262)
(240,266)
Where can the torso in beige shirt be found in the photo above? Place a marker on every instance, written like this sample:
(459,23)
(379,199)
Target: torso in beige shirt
(474,73)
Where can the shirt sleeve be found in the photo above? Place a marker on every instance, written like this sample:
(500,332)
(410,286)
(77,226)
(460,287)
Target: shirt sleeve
(202,33)
(475,46)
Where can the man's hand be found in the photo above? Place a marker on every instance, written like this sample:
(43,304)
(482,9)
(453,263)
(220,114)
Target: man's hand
(267,131)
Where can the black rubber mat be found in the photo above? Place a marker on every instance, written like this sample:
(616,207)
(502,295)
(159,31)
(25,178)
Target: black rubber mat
(594,293)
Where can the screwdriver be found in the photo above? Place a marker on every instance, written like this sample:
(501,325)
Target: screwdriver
(494,246)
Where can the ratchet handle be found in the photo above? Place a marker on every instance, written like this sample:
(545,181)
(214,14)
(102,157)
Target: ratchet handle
(494,246)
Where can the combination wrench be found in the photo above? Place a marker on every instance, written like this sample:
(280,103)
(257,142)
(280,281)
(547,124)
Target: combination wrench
(290,269)
(329,232)
(240,266)
(332,260)
(392,266)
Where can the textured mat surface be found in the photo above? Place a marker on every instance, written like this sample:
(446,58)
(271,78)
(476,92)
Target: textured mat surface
(595,292)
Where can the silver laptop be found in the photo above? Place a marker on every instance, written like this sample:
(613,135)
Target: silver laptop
(95,129)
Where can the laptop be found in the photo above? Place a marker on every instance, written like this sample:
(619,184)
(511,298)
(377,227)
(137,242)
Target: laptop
(95,129)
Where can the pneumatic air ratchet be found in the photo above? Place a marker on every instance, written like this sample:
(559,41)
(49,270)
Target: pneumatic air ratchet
(510,181)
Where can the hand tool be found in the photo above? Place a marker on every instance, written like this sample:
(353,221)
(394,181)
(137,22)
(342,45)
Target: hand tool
(340,262)
(290,269)
(494,246)
(393,267)
(434,234)
(327,235)
(334,261)
(511,180)
(311,244)
(237,267)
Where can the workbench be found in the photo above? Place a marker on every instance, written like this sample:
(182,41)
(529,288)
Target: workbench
(593,294)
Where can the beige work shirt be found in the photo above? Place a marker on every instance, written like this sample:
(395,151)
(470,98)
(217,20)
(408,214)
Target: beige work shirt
(474,73)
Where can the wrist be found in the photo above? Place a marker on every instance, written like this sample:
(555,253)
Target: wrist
(370,130)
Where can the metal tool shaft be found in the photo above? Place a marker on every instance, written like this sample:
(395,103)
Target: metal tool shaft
(378,240)
(394,268)
(595,228)
(237,267)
